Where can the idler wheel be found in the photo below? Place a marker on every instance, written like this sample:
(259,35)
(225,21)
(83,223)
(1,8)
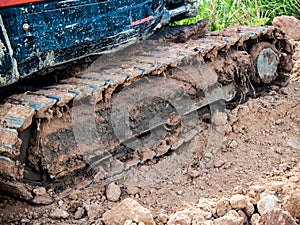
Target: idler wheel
(266,59)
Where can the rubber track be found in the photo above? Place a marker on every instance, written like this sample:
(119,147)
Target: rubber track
(18,111)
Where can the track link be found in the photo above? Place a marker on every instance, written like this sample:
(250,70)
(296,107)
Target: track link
(225,53)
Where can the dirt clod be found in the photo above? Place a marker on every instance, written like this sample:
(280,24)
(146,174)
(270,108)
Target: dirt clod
(289,24)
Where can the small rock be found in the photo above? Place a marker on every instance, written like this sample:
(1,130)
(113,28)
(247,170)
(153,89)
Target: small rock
(255,219)
(132,190)
(79,213)
(238,201)
(128,222)
(113,192)
(180,218)
(226,165)
(206,222)
(25,220)
(194,173)
(163,218)
(249,209)
(141,223)
(231,218)
(276,216)
(179,192)
(232,144)
(74,195)
(292,204)
(197,219)
(219,163)
(206,215)
(290,25)
(243,215)
(294,179)
(253,194)
(257,188)
(94,211)
(233,213)
(219,118)
(39,191)
(59,214)
(128,209)
(266,203)
(60,203)
(223,206)
(277,186)
(42,199)
(238,190)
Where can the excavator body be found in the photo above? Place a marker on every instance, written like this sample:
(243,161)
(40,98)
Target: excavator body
(37,35)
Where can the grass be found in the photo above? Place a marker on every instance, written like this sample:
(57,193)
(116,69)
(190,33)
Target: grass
(225,13)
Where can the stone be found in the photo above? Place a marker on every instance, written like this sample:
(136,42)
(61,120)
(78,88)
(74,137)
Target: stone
(243,215)
(292,203)
(257,188)
(255,219)
(233,213)
(290,25)
(219,163)
(267,202)
(197,219)
(128,209)
(238,201)
(194,173)
(59,214)
(206,222)
(219,118)
(39,191)
(206,215)
(94,211)
(25,221)
(180,192)
(128,222)
(42,199)
(233,144)
(79,213)
(132,190)
(276,216)
(223,206)
(113,192)
(277,186)
(231,218)
(163,218)
(180,218)
(238,190)
(249,209)
(74,195)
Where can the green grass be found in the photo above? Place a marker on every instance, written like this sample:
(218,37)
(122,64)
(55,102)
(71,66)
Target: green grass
(225,13)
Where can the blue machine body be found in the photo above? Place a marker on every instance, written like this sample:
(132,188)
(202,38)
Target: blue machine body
(40,35)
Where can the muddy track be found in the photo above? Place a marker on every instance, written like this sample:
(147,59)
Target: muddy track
(52,134)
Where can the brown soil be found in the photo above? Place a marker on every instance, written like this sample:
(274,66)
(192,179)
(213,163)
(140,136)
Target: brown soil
(261,146)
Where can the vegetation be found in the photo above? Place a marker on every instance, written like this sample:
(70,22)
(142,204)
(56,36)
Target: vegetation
(225,13)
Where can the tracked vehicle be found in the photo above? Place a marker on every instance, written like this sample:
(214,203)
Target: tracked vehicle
(134,103)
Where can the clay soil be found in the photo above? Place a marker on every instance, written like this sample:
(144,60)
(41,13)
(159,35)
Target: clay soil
(261,146)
